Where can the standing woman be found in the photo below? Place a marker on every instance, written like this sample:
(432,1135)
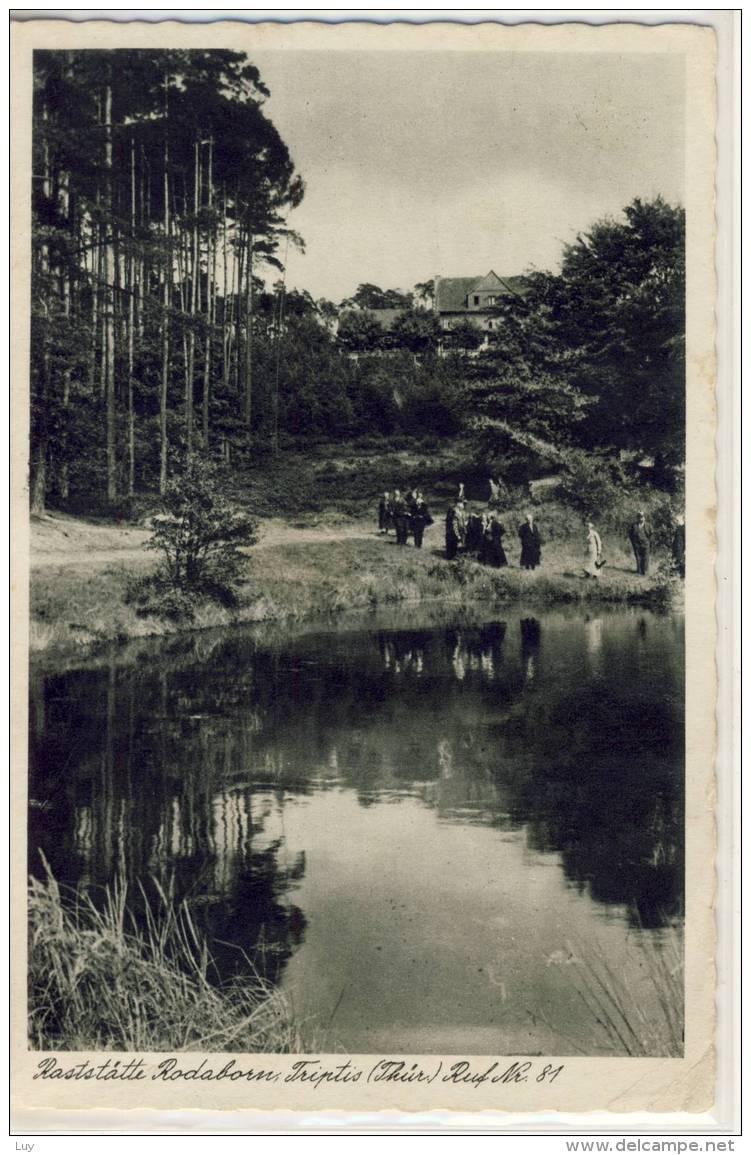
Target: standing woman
(497,532)
(529,536)
(594,552)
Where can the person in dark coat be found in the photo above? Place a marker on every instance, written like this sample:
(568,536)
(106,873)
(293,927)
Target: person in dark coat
(474,534)
(529,536)
(484,551)
(419,519)
(455,529)
(384,513)
(401,518)
(678,546)
(495,554)
(639,538)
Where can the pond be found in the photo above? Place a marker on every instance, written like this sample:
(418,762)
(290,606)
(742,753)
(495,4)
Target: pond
(436,837)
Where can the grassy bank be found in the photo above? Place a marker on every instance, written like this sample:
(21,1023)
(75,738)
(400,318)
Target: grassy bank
(80,604)
(98,981)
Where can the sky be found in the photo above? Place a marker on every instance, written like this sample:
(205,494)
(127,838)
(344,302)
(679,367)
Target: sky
(419,164)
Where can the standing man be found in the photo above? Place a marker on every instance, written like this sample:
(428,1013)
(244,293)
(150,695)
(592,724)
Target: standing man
(419,518)
(678,546)
(401,518)
(639,539)
(529,536)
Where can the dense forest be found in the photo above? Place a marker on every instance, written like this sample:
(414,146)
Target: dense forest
(162,324)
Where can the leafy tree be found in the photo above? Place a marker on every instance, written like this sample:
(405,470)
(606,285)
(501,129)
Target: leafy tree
(359,331)
(368,296)
(434,403)
(463,335)
(425,291)
(525,419)
(375,393)
(620,314)
(415,329)
(313,381)
(327,311)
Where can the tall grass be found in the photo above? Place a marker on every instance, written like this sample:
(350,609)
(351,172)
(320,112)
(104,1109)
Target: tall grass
(646,1021)
(98,980)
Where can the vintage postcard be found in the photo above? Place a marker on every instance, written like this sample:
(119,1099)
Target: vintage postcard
(364,654)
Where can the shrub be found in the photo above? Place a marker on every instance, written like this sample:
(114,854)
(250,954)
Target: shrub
(199,532)
(591,483)
(154,596)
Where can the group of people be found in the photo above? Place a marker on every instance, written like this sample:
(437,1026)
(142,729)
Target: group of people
(481,535)
(406,514)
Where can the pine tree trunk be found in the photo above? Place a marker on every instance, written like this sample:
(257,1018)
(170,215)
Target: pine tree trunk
(131,323)
(225,325)
(64,481)
(108,313)
(210,298)
(38,481)
(249,335)
(194,275)
(163,442)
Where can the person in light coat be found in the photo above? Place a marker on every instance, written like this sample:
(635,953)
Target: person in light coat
(593,562)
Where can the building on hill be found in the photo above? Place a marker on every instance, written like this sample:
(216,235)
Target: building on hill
(460,299)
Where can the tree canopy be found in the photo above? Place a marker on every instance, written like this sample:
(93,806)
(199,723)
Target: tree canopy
(368,296)
(594,356)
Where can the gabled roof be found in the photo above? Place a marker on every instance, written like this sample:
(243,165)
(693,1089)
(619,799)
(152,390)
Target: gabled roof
(490,281)
(453,291)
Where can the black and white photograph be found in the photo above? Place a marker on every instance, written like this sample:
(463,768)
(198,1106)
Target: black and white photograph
(358,547)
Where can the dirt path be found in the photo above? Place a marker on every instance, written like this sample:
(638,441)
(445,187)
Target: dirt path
(60,540)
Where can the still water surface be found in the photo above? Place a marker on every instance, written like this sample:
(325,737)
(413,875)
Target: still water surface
(434,838)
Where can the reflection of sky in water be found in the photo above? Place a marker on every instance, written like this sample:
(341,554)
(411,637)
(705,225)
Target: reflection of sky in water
(426,830)
(428,937)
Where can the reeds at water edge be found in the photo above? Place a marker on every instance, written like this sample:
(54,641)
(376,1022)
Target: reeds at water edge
(644,1022)
(98,980)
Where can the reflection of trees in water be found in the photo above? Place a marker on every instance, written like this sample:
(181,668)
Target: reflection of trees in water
(597,774)
(177,768)
(135,773)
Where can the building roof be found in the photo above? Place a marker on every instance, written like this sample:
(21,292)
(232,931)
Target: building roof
(453,291)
